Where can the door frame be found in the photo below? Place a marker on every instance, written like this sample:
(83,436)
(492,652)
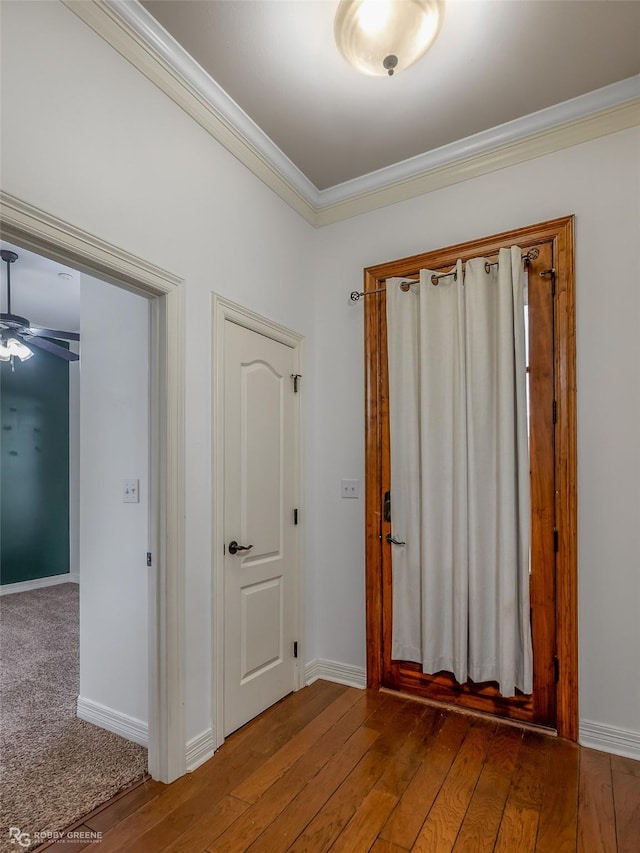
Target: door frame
(561,233)
(224,310)
(41,232)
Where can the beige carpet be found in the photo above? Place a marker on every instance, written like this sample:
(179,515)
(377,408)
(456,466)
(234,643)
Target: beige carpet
(54,768)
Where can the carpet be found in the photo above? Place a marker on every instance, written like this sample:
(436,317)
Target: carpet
(54,768)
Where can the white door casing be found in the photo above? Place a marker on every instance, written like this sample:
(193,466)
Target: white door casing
(256,592)
(41,232)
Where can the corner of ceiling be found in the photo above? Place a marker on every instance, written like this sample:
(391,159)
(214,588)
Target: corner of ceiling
(135,34)
(605,111)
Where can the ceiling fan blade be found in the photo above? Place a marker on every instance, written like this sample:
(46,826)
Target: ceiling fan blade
(53,333)
(54,349)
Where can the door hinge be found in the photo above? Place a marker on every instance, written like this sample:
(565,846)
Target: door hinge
(555,540)
(295,516)
(555,412)
(295,649)
(295,377)
(556,668)
(149,563)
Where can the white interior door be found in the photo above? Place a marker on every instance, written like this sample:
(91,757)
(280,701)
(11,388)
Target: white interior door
(259,503)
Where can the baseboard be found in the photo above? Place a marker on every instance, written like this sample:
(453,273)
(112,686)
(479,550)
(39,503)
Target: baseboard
(610,739)
(331,670)
(74,577)
(200,749)
(127,727)
(38,583)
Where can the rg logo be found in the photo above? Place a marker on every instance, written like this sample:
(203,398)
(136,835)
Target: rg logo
(16,835)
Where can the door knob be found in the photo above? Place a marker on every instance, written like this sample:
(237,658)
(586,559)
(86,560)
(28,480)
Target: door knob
(393,541)
(234,547)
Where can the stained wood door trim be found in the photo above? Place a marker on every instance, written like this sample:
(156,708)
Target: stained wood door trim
(561,233)
(224,310)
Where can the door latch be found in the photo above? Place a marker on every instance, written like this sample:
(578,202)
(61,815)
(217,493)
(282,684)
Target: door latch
(386,511)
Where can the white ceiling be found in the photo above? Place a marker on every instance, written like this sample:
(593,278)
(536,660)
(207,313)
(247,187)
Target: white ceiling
(494,61)
(39,293)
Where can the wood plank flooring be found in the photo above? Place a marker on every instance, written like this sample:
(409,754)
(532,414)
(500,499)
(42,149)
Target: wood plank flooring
(334,768)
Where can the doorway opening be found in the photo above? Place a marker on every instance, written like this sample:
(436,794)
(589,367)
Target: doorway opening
(35,230)
(553,577)
(74,619)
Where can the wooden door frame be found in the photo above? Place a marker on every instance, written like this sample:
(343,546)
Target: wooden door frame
(224,310)
(561,233)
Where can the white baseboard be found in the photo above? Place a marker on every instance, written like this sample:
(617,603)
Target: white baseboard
(610,739)
(74,577)
(200,749)
(331,670)
(38,583)
(127,727)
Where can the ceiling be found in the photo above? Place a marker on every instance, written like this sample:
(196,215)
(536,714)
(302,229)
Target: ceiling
(39,293)
(494,61)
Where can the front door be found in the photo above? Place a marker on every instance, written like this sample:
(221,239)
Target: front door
(553,571)
(540,706)
(260,517)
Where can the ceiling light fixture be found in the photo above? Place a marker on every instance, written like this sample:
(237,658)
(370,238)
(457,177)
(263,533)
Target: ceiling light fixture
(15,330)
(11,347)
(382,37)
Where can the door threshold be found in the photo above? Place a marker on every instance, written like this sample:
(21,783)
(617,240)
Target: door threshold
(64,836)
(450,706)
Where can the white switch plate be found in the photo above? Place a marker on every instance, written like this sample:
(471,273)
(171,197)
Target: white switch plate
(350,488)
(131,491)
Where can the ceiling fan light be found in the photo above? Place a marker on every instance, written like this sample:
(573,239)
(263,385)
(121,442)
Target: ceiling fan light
(12,324)
(369,32)
(17,348)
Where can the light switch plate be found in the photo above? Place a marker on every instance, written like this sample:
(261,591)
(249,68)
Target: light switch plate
(350,488)
(131,491)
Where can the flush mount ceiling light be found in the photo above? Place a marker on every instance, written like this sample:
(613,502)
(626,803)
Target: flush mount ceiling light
(382,37)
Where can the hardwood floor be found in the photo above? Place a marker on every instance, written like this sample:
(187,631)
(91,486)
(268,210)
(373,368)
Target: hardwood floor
(334,768)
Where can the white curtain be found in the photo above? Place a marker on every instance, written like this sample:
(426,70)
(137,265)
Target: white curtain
(460,473)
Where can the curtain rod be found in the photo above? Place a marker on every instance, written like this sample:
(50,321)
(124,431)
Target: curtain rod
(529,256)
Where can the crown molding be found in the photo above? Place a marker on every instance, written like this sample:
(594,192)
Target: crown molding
(372,191)
(138,37)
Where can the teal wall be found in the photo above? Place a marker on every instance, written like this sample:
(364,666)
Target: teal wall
(34,468)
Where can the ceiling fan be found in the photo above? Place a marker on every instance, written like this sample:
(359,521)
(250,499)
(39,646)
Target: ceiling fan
(16,332)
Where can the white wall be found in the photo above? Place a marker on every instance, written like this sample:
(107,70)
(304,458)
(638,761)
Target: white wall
(599,182)
(114,446)
(87,138)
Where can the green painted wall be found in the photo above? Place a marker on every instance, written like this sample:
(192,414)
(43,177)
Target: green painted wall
(34,468)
